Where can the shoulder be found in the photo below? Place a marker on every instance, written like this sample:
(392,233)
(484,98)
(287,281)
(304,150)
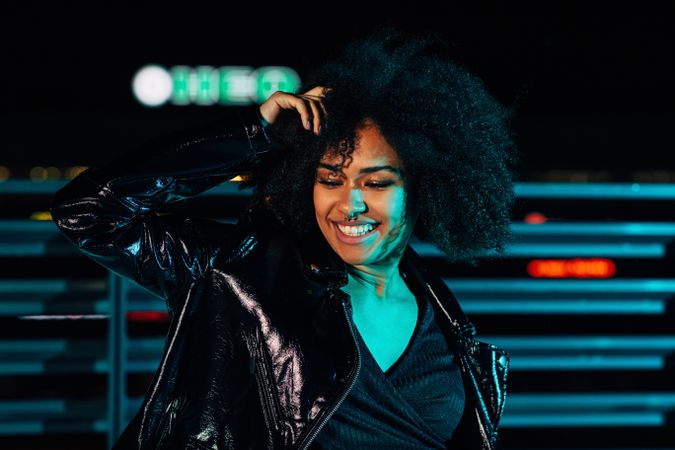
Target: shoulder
(252,235)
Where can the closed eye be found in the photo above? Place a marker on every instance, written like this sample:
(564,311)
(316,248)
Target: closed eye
(385,184)
(372,184)
(329,183)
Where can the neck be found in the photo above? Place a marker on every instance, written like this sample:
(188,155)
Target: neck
(381,283)
(368,284)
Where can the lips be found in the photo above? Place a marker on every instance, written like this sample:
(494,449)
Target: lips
(354,239)
(348,223)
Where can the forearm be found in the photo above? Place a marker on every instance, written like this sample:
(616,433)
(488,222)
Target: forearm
(108,212)
(181,164)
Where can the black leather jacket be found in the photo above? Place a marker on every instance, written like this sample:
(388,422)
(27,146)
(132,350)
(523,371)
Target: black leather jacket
(261,348)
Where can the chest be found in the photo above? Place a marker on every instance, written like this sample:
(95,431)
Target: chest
(386,329)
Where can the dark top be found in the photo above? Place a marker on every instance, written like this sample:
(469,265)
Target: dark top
(416,404)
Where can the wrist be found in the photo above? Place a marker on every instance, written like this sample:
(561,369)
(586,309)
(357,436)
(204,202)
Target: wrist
(264,121)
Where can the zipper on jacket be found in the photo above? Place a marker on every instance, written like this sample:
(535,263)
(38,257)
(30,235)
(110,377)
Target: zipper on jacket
(319,424)
(268,400)
(170,418)
(264,389)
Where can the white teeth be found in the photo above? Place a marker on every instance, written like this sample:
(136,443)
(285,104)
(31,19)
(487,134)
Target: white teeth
(357,230)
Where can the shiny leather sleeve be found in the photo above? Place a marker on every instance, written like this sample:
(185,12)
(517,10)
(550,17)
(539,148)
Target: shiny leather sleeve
(111,213)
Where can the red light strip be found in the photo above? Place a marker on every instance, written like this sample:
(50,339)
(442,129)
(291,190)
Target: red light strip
(147,316)
(572,268)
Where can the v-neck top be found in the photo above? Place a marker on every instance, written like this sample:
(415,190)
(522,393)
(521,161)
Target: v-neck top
(416,403)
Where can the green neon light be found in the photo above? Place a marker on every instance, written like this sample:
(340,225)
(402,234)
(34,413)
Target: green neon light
(237,87)
(275,78)
(206,85)
(181,85)
(230,85)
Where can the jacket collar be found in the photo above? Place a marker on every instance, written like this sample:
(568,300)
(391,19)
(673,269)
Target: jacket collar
(320,263)
(413,268)
(323,266)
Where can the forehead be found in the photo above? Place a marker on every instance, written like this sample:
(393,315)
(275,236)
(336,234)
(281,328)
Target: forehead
(371,148)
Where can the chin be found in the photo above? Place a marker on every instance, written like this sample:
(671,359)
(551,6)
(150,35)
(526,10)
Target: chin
(353,255)
(353,262)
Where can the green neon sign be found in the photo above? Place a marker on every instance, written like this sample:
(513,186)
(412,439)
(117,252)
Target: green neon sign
(181,85)
(236,85)
(275,78)
(229,85)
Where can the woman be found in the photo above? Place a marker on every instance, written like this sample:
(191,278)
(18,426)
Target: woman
(312,323)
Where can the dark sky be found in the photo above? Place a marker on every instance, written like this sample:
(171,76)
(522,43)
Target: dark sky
(572,60)
(584,79)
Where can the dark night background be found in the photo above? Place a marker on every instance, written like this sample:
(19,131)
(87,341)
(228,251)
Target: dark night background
(595,89)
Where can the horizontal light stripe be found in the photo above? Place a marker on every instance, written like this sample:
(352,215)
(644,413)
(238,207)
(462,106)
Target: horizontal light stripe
(555,306)
(51,286)
(564,249)
(595,401)
(599,191)
(569,343)
(586,362)
(641,419)
(490,286)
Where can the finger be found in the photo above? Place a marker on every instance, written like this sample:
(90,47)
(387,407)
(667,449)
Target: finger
(318,99)
(317,90)
(324,91)
(300,105)
(314,94)
(316,116)
(313,100)
(323,108)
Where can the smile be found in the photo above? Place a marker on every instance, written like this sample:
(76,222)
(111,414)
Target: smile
(355,235)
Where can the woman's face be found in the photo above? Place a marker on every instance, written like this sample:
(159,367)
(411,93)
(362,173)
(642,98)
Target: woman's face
(370,190)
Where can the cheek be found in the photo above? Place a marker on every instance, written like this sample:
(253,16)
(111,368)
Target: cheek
(392,206)
(321,201)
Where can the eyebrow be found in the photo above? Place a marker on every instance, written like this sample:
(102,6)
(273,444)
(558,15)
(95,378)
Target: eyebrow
(364,170)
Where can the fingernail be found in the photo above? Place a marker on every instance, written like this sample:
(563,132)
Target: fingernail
(309,124)
(319,129)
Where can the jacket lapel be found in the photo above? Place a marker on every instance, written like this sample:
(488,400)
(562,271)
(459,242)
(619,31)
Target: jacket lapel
(484,366)
(321,266)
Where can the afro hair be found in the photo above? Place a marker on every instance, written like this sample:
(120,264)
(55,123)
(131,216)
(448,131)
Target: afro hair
(450,133)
